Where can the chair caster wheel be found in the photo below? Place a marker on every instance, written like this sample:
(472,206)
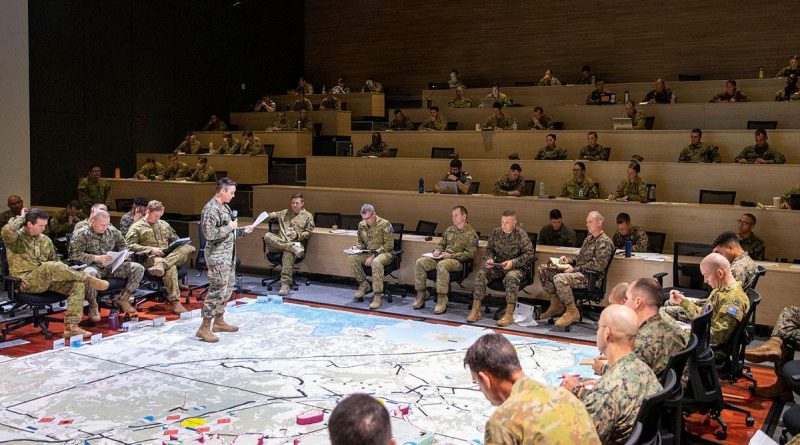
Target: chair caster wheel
(752,387)
(721,435)
(269,287)
(706,421)
(567,328)
(550,321)
(750,421)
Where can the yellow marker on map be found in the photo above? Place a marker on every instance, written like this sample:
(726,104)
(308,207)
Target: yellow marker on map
(193,422)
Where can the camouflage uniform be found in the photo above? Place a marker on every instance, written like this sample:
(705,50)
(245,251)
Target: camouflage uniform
(535,413)
(700,153)
(83,247)
(751,153)
(281,126)
(463,177)
(219,125)
(503,99)
(515,246)
(253,147)
(34,261)
(787,328)
(460,243)
(206,174)
(440,124)
(371,150)
(460,103)
(308,89)
(638,237)
(545,82)
(177,170)
(143,235)
(126,222)
(565,237)
(379,240)
(59,222)
(302,224)
(615,400)
(503,122)
(377,87)
(184,147)
(546,122)
(754,246)
(788,94)
(302,125)
(585,189)
(5,217)
(151,172)
(596,153)
(503,185)
(230,149)
(638,120)
(329,104)
(663,97)
(302,104)
(744,269)
(595,254)
(403,124)
(656,341)
(80,225)
(91,192)
(787,71)
(551,154)
(634,191)
(220,255)
(725,97)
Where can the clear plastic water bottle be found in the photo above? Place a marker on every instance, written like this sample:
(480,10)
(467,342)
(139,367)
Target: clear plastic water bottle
(761,72)
(627,96)
(421,185)
(541,190)
(323,89)
(514,124)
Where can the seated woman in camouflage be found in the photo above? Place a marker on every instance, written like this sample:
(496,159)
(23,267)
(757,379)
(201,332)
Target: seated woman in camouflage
(551,152)
(580,186)
(633,187)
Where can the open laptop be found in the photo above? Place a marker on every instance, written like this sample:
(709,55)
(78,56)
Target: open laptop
(448,187)
(622,123)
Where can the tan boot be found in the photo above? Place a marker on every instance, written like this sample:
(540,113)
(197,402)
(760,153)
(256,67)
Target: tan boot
(284,289)
(770,351)
(777,391)
(123,302)
(556,308)
(205,333)
(376,301)
(422,295)
(570,316)
(221,326)
(96,283)
(71,329)
(177,308)
(475,312)
(508,316)
(94,312)
(441,304)
(158,270)
(363,288)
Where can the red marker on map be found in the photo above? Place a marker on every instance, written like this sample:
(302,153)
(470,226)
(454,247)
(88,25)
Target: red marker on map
(309,417)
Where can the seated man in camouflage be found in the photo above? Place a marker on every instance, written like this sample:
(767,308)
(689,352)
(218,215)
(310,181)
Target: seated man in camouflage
(137,211)
(556,233)
(304,122)
(457,244)
(637,117)
(295,227)
(460,100)
(231,145)
(175,170)
(152,235)
(593,151)
(190,145)
(549,80)
(626,232)
(615,400)
(698,151)
(558,282)
(330,102)
(508,253)
(539,121)
(511,184)
(63,221)
(496,96)
(731,94)
(551,152)
(455,174)
(32,259)
(792,68)
(265,104)
(498,120)
(660,95)
(376,236)
(93,189)
(340,87)
(215,124)
(15,206)
(376,148)
(90,247)
(84,223)
(150,169)
(203,172)
(743,268)
(633,187)
(400,122)
(528,412)
(760,153)
(304,87)
(251,144)
(791,91)
(436,121)
(599,95)
(580,186)
(282,124)
(779,349)
(749,241)
(302,103)
(370,86)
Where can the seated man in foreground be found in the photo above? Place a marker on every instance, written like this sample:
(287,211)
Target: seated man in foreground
(376,236)
(295,226)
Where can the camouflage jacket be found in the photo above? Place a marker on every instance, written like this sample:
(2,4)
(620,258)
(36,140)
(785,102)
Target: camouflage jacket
(461,243)
(595,253)
(788,94)
(515,246)
(440,124)
(546,123)
(663,97)
(126,222)
(551,154)
(371,150)
(463,177)
(203,174)
(142,235)
(59,222)
(151,172)
(503,99)
(329,104)
(634,191)
(379,238)
(751,153)
(638,120)
(637,236)
(304,104)
(744,269)
(700,153)
(5,217)
(503,185)
(281,126)
(253,147)
(596,153)
(219,125)
(25,252)
(504,122)
(232,149)
(585,189)
(460,103)
(565,237)
(304,125)
(545,82)
(80,225)
(754,246)
(308,89)
(656,341)
(184,147)
(177,170)
(403,124)
(85,244)
(302,223)
(729,306)
(90,193)
(220,237)
(725,97)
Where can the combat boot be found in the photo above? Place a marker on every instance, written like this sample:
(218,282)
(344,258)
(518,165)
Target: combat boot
(221,326)
(71,329)
(571,315)
(475,312)
(96,283)
(205,333)
(556,307)
(441,304)
(770,351)
(123,302)
(777,391)
(285,288)
(158,269)
(376,301)
(363,288)
(508,316)
(298,250)
(94,312)
(176,307)
(419,303)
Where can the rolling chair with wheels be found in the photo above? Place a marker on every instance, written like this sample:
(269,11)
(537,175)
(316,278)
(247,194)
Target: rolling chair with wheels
(442,152)
(349,222)
(655,241)
(393,266)
(649,122)
(791,417)
(594,292)
(717,197)
(527,279)
(732,367)
(425,228)
(327,220)
(530,187)
(650,412)
(671,416)
(636,435)
(276,261)
(686,276)
(764,125)
(474,186)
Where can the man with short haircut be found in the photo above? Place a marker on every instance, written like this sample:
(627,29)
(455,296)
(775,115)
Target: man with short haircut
(84,223)
(90,247)
(455,174)
(556,233)
(638,119)
(539,121)
(549,80)
(615,400)
(457,244)
(551,152)
(454,81)
(557,283)
(791,68)
(190,145)
(63,221)
(360,419)
(698,151)
(304,87)
(750,242)
(731,94)
(528,412)
(203,172)
(400,122)
(496,96)
(617,296)
(436,121)
(330,102)
(498,120)
(660,95)
(511,184)
(593,151)
(152,235)
(743,268)
(779,349)
(626,232)
(281,124)
(580,186)
(295,227)
(508,253)
(221,230)
(304,122)
(137,211)
(175,170)
(761,152)
(215,124)
(151,169)
(376,236)
(791,91)
(340,87)
(586,76)
(460,100)
(370,86)
(93,189)
(265,104)
(231,145)
(377,148)
(15,206)
(251,144)
(33,259)
(596,96)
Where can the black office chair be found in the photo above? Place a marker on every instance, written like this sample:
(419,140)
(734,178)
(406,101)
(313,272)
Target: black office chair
(760,273)
(588,299)
(732,367)
(426,228)
(527,279)
(123,204)
(765,125)
(525,83)
(655,241)
(636,435)
(452,126)
(391,153)
(558,125)
(219,174)
(686,276)
(671,415)
(717,197)
(580,236)
(650,412)
(791,417)
(457,277)
(688,77)
(394,265)
(327,220)
(201,266)
(530,187)
(276,261)
(442,152)
(349,222)
(317,129)
(608,156)
(649,122)
(474,186)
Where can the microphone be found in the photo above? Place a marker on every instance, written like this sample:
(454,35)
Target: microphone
(234,214)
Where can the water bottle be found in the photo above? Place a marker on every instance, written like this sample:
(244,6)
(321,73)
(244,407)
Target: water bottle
(429,103)
(514,125)
(651,192)
(299,125)
(323,89)
(113,321)
(541,190)
(421,185)
(628,248)
(627,96)
(674,97)
(761,72)
(211,148)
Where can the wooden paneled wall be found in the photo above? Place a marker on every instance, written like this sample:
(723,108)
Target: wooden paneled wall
(407,44)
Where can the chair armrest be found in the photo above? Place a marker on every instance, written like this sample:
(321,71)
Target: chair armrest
(12,284)
(660,277)
(592,276)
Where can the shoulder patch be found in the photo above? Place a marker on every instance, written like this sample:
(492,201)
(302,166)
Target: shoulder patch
(475,242)
(733,311)
(389,229)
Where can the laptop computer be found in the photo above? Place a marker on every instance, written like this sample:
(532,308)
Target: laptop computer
(448,187)
(622,123)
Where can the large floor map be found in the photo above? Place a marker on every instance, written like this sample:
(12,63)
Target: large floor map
(288,366)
